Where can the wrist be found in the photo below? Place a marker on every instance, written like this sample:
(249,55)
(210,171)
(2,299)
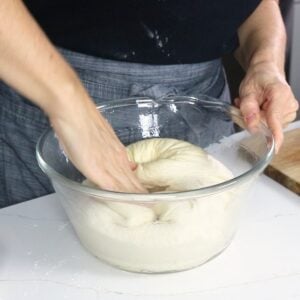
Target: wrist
(275,61)
(64,97)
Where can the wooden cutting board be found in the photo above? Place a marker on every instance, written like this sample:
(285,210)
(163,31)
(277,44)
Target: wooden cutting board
(285,167)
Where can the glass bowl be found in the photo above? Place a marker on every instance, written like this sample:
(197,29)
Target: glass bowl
(191,227)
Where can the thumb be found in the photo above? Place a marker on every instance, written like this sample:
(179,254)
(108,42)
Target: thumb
(250,109)
(274,122)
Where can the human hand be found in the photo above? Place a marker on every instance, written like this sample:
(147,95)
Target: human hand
(33,66)
(92,146)
(265,95)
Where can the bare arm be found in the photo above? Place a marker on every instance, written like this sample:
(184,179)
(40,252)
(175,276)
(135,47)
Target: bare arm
(264,92)
(30,64)
(262,37)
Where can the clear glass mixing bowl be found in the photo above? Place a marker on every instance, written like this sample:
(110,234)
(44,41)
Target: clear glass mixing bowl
(162,232)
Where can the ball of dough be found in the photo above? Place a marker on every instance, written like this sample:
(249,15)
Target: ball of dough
(166,165)
(171,165)
(163,236)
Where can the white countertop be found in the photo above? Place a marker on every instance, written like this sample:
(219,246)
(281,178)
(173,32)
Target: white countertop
(41,258)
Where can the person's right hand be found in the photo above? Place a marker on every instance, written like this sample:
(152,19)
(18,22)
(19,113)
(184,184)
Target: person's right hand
(93,147)
(32,65)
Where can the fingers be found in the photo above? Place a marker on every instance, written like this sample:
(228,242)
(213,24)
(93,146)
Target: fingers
(250,109)
(119,170)
(252,114)
(130,175)
(275,124)
(96,151)
(118,175)
(237,102)
(273,103)
(120,179)
(288,119)
(280,108)
(265,95)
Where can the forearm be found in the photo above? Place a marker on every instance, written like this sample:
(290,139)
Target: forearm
(264,94)
(262,37)
(28,61)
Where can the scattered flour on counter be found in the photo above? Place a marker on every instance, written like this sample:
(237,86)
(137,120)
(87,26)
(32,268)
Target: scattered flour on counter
(164,236)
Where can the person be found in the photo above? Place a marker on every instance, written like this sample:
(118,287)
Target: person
(115,49)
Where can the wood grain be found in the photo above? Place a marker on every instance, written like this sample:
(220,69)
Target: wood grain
(285,167)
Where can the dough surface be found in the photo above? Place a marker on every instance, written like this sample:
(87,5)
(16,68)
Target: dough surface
(162,236)
(175,165)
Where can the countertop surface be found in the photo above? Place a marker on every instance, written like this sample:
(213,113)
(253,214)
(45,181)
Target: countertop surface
(41,258)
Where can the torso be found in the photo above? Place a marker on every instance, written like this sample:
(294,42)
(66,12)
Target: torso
(152,31)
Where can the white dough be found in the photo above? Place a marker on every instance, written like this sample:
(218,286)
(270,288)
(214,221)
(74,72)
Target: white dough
(164,236)
(177,165)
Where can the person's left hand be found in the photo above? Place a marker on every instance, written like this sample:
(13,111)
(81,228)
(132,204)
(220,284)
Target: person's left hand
(265,95)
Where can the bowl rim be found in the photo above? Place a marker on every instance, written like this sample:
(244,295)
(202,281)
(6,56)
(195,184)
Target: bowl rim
(174,196)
